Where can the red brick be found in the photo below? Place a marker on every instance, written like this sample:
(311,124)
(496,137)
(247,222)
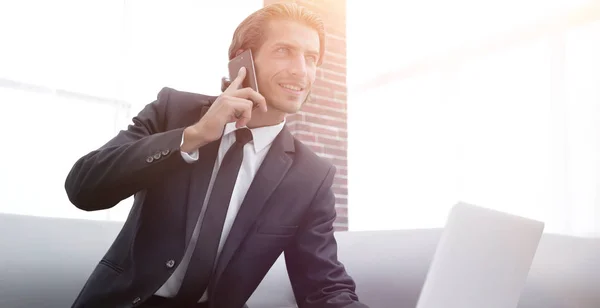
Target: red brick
(336,152)
(328,102)
(339,68)
(334,76)
(330,141)
(340,190)
(319,90)
(334,86)
(316,130)
(294,117)
(305,137)
(340,228)
(320,74)
(316,148)
(341,201)
(340,181)
(337,30)
(341,220)
(334,58)
(340,95)
(336,45)
(340,162)
(342,211)
(326,121)
(316,109)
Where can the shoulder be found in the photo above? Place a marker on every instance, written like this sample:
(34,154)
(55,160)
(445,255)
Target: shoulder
(183,101)
(176,108)
(319,166)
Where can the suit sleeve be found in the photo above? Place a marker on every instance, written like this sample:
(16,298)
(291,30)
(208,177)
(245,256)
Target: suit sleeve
(318,278)
(130,162)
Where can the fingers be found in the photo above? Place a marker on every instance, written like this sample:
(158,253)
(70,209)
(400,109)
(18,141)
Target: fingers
(257,98)
(240,111)
(232,88)
(237,82)
(243,121)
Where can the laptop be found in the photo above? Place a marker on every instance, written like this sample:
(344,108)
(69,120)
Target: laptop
(482,260)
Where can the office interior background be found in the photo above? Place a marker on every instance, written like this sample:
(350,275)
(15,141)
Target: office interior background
(420,104)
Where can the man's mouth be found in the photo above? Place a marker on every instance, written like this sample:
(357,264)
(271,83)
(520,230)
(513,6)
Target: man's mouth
(292,87)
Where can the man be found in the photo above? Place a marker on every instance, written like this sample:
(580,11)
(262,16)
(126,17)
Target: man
(221,186)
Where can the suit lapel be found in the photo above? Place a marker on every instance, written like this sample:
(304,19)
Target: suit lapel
(269,175)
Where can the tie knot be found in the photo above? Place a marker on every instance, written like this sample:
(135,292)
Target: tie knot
(243,135)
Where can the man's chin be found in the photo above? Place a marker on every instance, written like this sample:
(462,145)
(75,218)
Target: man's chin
(288,106)
(293,108)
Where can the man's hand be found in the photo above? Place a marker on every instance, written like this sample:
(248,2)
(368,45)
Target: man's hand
(233,105)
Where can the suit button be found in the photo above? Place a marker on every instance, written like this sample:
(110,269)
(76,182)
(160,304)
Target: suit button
(157,156)
(170,263)
(136,301)
(149,159)
(165,152)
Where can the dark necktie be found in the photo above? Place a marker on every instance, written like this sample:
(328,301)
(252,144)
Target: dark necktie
(203,258)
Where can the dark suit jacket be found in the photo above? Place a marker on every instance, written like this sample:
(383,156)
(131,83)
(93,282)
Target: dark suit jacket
(289,208)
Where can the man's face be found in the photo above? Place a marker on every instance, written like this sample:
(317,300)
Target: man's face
(286,64)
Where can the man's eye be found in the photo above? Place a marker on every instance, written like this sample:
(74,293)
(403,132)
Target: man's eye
(282,50)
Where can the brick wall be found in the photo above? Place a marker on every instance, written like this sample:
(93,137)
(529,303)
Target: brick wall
(321,124)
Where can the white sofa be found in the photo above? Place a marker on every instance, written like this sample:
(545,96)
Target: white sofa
(45,261)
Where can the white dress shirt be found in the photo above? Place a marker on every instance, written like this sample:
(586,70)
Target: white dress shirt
(254,154)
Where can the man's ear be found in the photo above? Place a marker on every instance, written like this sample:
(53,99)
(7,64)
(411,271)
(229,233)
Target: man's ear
(238,52)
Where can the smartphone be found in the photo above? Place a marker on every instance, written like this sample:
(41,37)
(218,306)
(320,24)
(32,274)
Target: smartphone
(244,59)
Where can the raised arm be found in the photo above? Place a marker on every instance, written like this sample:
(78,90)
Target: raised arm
(129,162)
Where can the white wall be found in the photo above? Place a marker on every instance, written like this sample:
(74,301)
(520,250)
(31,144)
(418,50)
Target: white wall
(121,53)
(515,130)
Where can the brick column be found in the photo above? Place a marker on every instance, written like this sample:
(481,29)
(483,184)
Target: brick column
(321,124)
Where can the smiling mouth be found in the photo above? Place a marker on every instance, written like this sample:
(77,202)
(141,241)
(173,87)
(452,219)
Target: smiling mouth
(293,88)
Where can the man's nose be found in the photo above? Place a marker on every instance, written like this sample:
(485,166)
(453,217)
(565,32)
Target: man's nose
(298,66)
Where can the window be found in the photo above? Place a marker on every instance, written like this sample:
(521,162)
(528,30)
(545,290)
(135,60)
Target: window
(74,74)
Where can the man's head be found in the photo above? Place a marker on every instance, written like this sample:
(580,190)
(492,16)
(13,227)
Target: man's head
(287,43)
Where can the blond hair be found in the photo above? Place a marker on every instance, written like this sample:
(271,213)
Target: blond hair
(249,33)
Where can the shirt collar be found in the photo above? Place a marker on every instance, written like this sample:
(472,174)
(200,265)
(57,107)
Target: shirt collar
(261,136)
